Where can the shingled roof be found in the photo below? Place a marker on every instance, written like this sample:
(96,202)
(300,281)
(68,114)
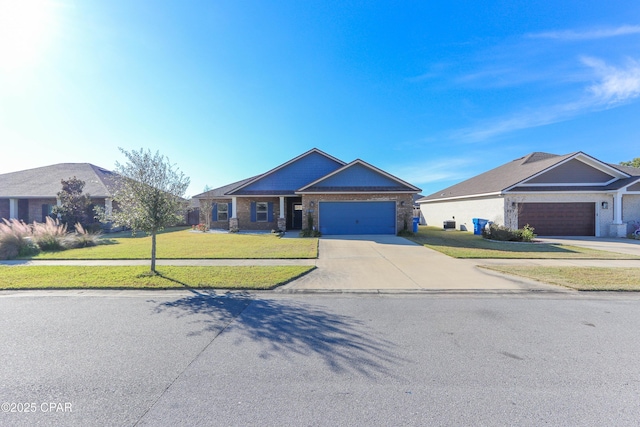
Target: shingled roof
(45,182)
(506,176)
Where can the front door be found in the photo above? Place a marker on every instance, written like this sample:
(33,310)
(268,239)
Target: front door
(296,216)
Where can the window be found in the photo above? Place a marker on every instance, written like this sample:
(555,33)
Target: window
(261,211)
(223,212)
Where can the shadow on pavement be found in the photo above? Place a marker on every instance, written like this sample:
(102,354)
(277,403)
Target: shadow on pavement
(288,328)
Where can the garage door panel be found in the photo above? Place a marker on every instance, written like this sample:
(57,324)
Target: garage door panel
(357,218)
(559,219)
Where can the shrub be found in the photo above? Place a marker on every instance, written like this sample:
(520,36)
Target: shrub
(82,238)
(310,233)
(50,235)
(16,239)
(504,234)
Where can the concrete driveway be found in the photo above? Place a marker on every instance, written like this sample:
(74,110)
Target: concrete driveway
(357,263)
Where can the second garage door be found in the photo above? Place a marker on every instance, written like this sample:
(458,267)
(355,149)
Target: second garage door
(559,219)
(357,217)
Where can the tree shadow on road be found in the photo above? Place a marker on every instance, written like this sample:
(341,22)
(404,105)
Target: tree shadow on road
(288,328)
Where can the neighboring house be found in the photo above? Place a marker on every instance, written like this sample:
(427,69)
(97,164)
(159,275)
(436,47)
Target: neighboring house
(559,195)
(319,190)
(30,195)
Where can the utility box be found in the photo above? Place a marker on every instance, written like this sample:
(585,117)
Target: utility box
(449,224)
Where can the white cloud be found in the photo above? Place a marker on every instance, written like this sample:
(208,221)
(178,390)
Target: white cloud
(570,35)
(615,86)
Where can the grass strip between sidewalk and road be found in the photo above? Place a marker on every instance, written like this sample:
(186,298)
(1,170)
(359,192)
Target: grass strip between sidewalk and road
(463,244)
(186,244)
(579,278)
(138,277)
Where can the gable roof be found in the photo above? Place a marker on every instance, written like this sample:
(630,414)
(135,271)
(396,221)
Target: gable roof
(289,176)
(222,191)
(516,175)
(370,179)
(311,171)
(44,182)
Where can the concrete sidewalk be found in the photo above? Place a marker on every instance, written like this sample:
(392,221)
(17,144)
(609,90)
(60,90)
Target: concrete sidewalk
(160,262)
(620,245)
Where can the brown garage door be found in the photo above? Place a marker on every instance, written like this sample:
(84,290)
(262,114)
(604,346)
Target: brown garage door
(559,219)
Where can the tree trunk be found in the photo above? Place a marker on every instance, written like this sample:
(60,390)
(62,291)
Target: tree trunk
(153,251)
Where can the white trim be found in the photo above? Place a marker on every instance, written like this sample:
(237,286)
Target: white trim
(582,157)
(13,208)
(234,207)
(356,192)
(570,184)
(472,196)
(277,168)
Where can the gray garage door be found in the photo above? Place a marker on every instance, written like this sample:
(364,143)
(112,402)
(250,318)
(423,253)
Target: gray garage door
(559,219)
(357,217)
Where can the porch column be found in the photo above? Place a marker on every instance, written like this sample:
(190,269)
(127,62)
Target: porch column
(13,208)
(281,206)
(234,224)
(282,222)
(618,228)
(617,208)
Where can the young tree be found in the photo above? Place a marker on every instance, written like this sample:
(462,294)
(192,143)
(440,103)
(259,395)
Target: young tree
(149,194)
(206,208)
(74,206)
(633,163)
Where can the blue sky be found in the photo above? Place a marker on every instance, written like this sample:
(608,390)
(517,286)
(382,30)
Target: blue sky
(433,92)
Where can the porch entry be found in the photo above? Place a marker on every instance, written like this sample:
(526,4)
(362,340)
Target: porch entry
(294,213)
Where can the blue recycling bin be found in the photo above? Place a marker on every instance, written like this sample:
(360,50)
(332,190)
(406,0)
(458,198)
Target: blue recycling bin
(478,225)
(416,221)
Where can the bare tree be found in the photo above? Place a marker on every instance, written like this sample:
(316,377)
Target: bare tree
(206,208)
(149,194)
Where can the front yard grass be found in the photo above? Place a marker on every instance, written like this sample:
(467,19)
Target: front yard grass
(462,244)
(185,244)
(128,277)
(579,278)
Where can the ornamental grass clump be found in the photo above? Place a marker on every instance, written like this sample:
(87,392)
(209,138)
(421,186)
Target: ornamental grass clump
(49,235)
(16,239)
(81,238)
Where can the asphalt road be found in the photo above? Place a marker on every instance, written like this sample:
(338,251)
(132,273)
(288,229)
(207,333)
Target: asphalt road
(169,358)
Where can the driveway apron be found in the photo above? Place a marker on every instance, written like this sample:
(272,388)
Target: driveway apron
(352,263)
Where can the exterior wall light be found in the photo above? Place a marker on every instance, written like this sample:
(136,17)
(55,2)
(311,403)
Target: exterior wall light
(605,205)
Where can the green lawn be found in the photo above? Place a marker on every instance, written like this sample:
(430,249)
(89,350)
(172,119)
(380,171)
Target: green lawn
(462,244)
(185,244)
(121,277)
(580,278)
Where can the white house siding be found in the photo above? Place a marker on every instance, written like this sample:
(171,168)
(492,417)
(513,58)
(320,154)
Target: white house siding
(463,211)
(630,209)
(604,217)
